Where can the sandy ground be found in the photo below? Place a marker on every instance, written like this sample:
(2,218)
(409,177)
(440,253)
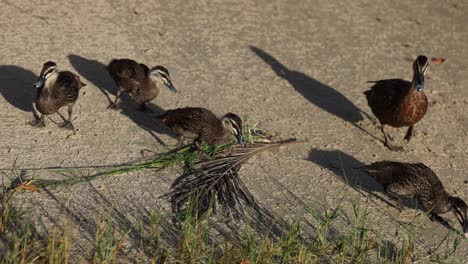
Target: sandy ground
(297,68)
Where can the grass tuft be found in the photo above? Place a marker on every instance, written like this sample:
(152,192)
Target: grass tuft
(107,241)
(354,243)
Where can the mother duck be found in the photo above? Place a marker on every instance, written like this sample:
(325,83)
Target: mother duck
(400,103)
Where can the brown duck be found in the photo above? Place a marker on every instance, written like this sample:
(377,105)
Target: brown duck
(418,181)
(138,80)
(400,103)
(55,90)
(203,124)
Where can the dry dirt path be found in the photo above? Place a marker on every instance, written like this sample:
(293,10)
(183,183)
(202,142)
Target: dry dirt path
(298,69)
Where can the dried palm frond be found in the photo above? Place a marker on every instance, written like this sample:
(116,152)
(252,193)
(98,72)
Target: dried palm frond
(216,182)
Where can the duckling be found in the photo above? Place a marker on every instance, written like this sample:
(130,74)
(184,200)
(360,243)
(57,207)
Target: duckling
(400,103)
(138,80)
(55,90)
(419,181)
(202,123)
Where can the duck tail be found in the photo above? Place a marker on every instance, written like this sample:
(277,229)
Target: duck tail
(380,171)
(110,63)
(81,84)
(367,93)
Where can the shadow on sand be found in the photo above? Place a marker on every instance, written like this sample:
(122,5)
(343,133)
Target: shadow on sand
(325,97)
(132,217)
(319,94)
(96,72)
(345,167)
(16,86)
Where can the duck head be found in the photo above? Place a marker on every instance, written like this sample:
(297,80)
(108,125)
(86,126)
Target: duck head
(459,208)
(159,73)
(233,124)
(419,68)
(48,69)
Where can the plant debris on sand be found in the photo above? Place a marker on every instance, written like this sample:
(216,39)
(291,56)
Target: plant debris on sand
(216,182)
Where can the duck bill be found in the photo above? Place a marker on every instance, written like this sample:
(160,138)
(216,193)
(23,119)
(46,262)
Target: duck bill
(240,140)
(419,81)
(465,228)
(40,82)
(171,87)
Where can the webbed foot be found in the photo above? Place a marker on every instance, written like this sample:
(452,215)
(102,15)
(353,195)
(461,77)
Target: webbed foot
(37,123)
(67,125)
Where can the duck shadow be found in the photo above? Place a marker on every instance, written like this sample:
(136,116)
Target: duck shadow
(319,94)
(346,168)
(96,72)
(16,87)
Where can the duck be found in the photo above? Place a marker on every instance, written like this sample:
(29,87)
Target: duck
(138,80)
(416,180)
(56,89)
(400,103)
(203,124)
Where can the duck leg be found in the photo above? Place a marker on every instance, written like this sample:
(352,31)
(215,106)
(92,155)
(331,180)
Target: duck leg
(409,133)
(394,191)
(68,123)
(399,204)
(38,122)
(201,155)
(437,218)
(180,141)
(387,140)
(113,105)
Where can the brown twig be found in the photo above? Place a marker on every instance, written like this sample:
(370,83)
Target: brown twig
(217,182)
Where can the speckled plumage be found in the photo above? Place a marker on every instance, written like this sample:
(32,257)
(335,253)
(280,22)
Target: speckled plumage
(134,78)
(63,92)
(418,181)
(399,103)
(411,180)
(201,122)
(56,90)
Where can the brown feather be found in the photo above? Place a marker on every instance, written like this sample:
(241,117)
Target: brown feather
(201,122)
(412,179)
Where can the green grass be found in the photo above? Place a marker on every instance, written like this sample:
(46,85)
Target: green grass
(186,156)
(357,242)
(107,241)
(336,236)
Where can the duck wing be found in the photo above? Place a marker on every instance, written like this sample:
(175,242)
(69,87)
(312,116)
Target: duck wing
(188,118)
(414,175)
(66,87)
(381,171)
(386,94)
(127,73)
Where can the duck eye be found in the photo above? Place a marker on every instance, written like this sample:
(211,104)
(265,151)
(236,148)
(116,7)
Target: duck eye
(50,70)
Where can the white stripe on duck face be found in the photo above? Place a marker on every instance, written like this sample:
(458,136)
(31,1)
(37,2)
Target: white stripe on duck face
(50,78)
(49,71)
